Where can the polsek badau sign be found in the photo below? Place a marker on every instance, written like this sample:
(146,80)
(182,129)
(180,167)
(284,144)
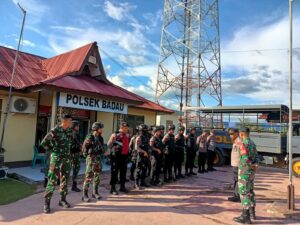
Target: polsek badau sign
(90,103)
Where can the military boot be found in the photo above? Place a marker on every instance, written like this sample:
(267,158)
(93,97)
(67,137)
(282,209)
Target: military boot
(45,182)
(113,190)
(252,213)
(85,196)
(244,218)
(47,205)
(96,194)
(74,187)
(63,202)
(123,189)
(144,184)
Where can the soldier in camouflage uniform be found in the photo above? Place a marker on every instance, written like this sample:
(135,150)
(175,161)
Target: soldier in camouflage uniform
(247,168)
(58,142)
(142,149)
(75,155)
(133,153)
(93,149)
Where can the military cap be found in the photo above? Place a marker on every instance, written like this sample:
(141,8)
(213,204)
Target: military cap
(245,130)
(65,116)
(181,128)
(97,125)
(171,127)
(124,124)
(75,123)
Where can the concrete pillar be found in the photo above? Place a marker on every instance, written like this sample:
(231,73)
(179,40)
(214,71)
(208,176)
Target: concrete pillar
(54,109)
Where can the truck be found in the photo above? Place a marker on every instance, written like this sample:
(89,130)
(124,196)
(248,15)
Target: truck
(268,125)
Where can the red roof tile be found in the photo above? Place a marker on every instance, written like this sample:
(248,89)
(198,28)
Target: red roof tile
(91,85)
(34,70)
(28,71)
(67,63)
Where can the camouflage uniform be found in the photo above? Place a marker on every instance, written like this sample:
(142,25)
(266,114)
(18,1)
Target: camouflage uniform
(58,142)
(93,146)
(246,173)
(156,159)
(133,153)
(75,155)
(141,142)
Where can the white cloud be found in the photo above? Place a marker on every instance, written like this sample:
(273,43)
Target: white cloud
(118,12)
(26,43)
(261,75)
(7,46)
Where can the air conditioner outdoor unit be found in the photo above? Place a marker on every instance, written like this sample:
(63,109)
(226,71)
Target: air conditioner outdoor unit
(22,105)
(3,172)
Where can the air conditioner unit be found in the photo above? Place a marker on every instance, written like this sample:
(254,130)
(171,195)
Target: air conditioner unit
(22,105)
(3,172)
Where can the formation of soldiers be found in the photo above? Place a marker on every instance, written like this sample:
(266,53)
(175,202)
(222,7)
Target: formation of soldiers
(152,154)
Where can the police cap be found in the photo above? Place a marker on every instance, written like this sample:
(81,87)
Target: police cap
(142,127)
(156,128)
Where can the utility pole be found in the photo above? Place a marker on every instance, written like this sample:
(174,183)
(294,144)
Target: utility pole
(11,84)
(291,191)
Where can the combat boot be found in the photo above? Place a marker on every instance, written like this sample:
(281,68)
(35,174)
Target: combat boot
(63,202)
(96,194)
(45,182)
(113,190)
(74,187)
(234,199)
(85,196)
(244,218)
(144,184)
(123,189)
(252,213)
(47,205)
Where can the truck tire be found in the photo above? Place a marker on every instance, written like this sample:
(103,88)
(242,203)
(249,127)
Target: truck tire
(296,166)
(219,158)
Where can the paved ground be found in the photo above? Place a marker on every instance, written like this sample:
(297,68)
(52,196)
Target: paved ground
(198,200)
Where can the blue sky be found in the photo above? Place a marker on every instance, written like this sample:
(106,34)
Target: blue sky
(128,35)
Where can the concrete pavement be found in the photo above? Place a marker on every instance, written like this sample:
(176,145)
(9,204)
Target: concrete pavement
(200,199)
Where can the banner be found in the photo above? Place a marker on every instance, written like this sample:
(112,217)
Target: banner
(91,103)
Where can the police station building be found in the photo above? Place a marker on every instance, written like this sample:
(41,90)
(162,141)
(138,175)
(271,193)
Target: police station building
(73,82)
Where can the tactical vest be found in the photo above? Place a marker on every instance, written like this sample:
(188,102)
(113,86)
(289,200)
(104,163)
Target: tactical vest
(170,144)
(180,141)
(157,144)
(145,143)
(191,142)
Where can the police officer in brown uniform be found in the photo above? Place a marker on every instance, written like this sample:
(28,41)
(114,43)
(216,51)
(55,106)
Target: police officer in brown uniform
(202,151)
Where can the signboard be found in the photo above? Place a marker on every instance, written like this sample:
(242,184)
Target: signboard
(90,103)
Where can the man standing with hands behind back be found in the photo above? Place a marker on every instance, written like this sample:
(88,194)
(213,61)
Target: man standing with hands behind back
(119,145)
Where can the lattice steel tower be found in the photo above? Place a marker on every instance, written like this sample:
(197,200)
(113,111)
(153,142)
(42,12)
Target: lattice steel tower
(189,63)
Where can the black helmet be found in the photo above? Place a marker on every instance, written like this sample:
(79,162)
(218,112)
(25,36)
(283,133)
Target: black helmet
(75,123)
(156,128)
(181,128)
(171,127)
(162,127)
(142,127)
(97,125)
